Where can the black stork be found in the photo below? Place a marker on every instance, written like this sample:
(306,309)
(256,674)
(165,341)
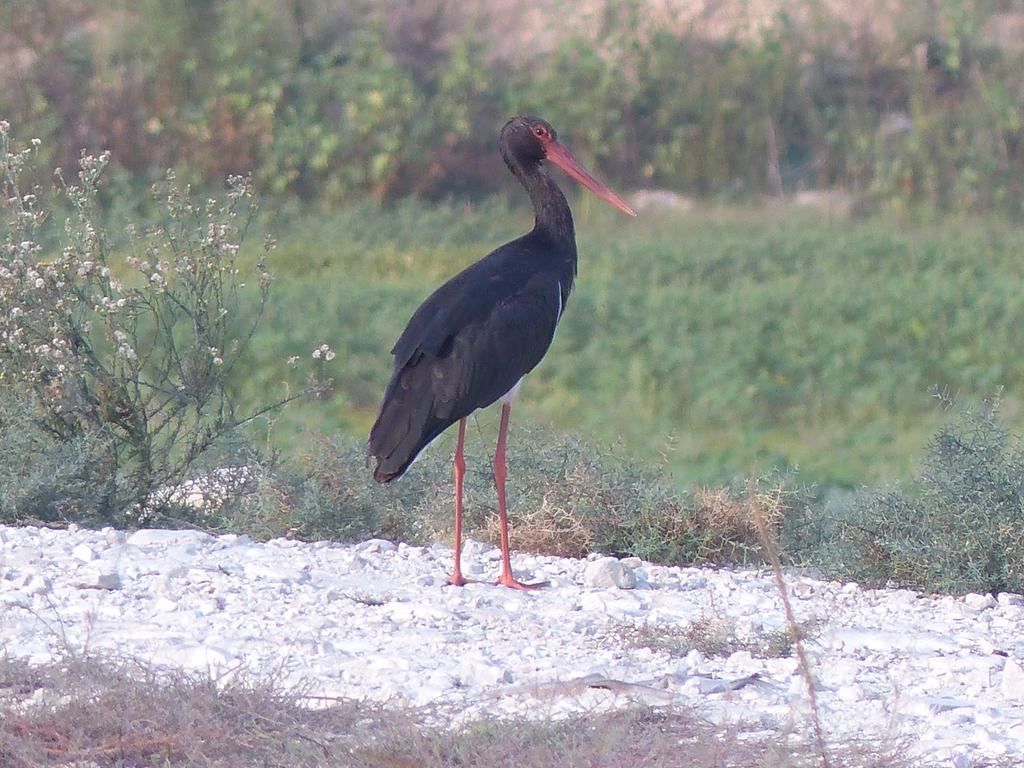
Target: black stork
(472,341)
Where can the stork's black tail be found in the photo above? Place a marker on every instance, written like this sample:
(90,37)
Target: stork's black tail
(407,423)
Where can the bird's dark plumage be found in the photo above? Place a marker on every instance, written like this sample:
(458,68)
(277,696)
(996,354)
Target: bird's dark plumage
(477,335)
(467,345)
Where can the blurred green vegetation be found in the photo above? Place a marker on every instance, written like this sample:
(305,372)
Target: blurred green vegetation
(908,103)
(714,343)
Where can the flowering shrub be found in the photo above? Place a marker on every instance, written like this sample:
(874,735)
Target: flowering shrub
(140,369)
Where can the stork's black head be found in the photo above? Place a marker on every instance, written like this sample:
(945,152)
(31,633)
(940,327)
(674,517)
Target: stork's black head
(526,139)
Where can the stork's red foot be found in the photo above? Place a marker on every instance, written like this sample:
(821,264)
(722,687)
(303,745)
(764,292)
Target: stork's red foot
(511,583)
(458,580)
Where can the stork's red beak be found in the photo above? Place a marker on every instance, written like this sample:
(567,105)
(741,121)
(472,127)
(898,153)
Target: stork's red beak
(561,157)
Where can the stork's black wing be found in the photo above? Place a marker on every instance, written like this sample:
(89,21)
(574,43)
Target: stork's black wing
(464,348)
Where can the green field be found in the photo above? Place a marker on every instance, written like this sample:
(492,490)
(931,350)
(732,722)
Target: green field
(718,342)
(715,343)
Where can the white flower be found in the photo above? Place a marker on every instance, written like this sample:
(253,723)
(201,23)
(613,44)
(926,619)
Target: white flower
(39,282)
(323,351)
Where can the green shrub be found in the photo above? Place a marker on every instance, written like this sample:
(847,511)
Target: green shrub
(133,379)
(959,528)
(44,479)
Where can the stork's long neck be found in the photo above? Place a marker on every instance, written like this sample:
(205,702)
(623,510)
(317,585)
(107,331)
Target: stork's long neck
(553,223)
(550,208)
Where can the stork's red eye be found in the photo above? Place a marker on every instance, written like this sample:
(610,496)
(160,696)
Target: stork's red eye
(540,132)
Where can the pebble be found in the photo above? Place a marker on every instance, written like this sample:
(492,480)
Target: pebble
(84,553)
(979,602)
(609,572)
(1012,684)
(375,621)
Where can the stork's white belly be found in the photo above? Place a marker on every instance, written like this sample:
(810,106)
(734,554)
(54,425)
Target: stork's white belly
(510,396)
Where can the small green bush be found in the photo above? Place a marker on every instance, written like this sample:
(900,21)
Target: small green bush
(959,528)
(118,386)
(42,478)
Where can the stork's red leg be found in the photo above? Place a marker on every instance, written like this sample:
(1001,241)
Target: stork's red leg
(457,578)
(506,578)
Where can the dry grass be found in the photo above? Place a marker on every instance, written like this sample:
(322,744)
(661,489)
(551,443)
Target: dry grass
(766,509)
(570,500)
(734,521)
(553,528)
(85,712)
(712,636)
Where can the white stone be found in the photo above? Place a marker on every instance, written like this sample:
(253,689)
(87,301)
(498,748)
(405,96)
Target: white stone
(260,571)
(609,572)
(114,537)
(99,578)
(33,584)
(850,693)
(742,659)
(803,591)
(209,605)
(695,659)
(1012,683)
(164,605)
(473,673)
(377,545)
(84,553)
(472,548)
(979,602)
(1009,598)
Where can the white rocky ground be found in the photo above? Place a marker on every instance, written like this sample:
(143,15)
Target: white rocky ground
(374,620)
